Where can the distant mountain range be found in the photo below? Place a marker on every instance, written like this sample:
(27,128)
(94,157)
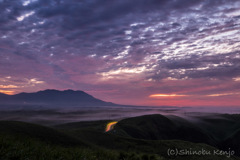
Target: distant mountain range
(53,97)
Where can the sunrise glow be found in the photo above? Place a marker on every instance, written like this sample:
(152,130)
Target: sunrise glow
(7,92)
(165,95)
(156,53)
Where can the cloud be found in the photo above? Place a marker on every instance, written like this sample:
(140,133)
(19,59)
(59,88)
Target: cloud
(8,86)
(165,95)
(54,41)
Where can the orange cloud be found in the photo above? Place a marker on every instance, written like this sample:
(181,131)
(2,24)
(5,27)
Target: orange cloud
(8,86)
(223,94)
(166,95)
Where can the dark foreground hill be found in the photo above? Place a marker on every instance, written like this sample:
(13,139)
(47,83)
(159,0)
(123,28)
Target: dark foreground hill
(220,130)
(22,141)
(156,133)
(158,127)
(29,141)
(38,132)
(151,137)
(53,97)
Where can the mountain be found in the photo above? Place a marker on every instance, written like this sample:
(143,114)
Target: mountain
(53,97)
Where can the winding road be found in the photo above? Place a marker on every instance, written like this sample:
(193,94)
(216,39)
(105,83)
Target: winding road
(110,126)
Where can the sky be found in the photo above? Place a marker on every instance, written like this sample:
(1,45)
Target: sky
(138,52)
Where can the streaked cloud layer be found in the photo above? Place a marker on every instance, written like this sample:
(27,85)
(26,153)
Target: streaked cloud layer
(124,51)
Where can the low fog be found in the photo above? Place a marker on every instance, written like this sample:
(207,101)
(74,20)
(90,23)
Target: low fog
(46,116)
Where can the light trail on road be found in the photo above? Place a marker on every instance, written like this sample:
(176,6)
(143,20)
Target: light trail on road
(110,126)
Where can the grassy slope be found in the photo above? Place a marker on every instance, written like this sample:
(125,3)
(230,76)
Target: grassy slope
(232,142)
(87,140)
(158,127)
(20,140)
(34,131)
(152,147)
(221,126)
(91,125)
(16,148)
(95,135)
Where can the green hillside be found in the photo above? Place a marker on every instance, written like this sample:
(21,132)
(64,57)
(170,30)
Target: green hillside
(89,141)
(41,133)
(118,139)
(158,127)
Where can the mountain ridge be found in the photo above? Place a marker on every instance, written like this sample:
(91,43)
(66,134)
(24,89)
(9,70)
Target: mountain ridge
(52,96)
